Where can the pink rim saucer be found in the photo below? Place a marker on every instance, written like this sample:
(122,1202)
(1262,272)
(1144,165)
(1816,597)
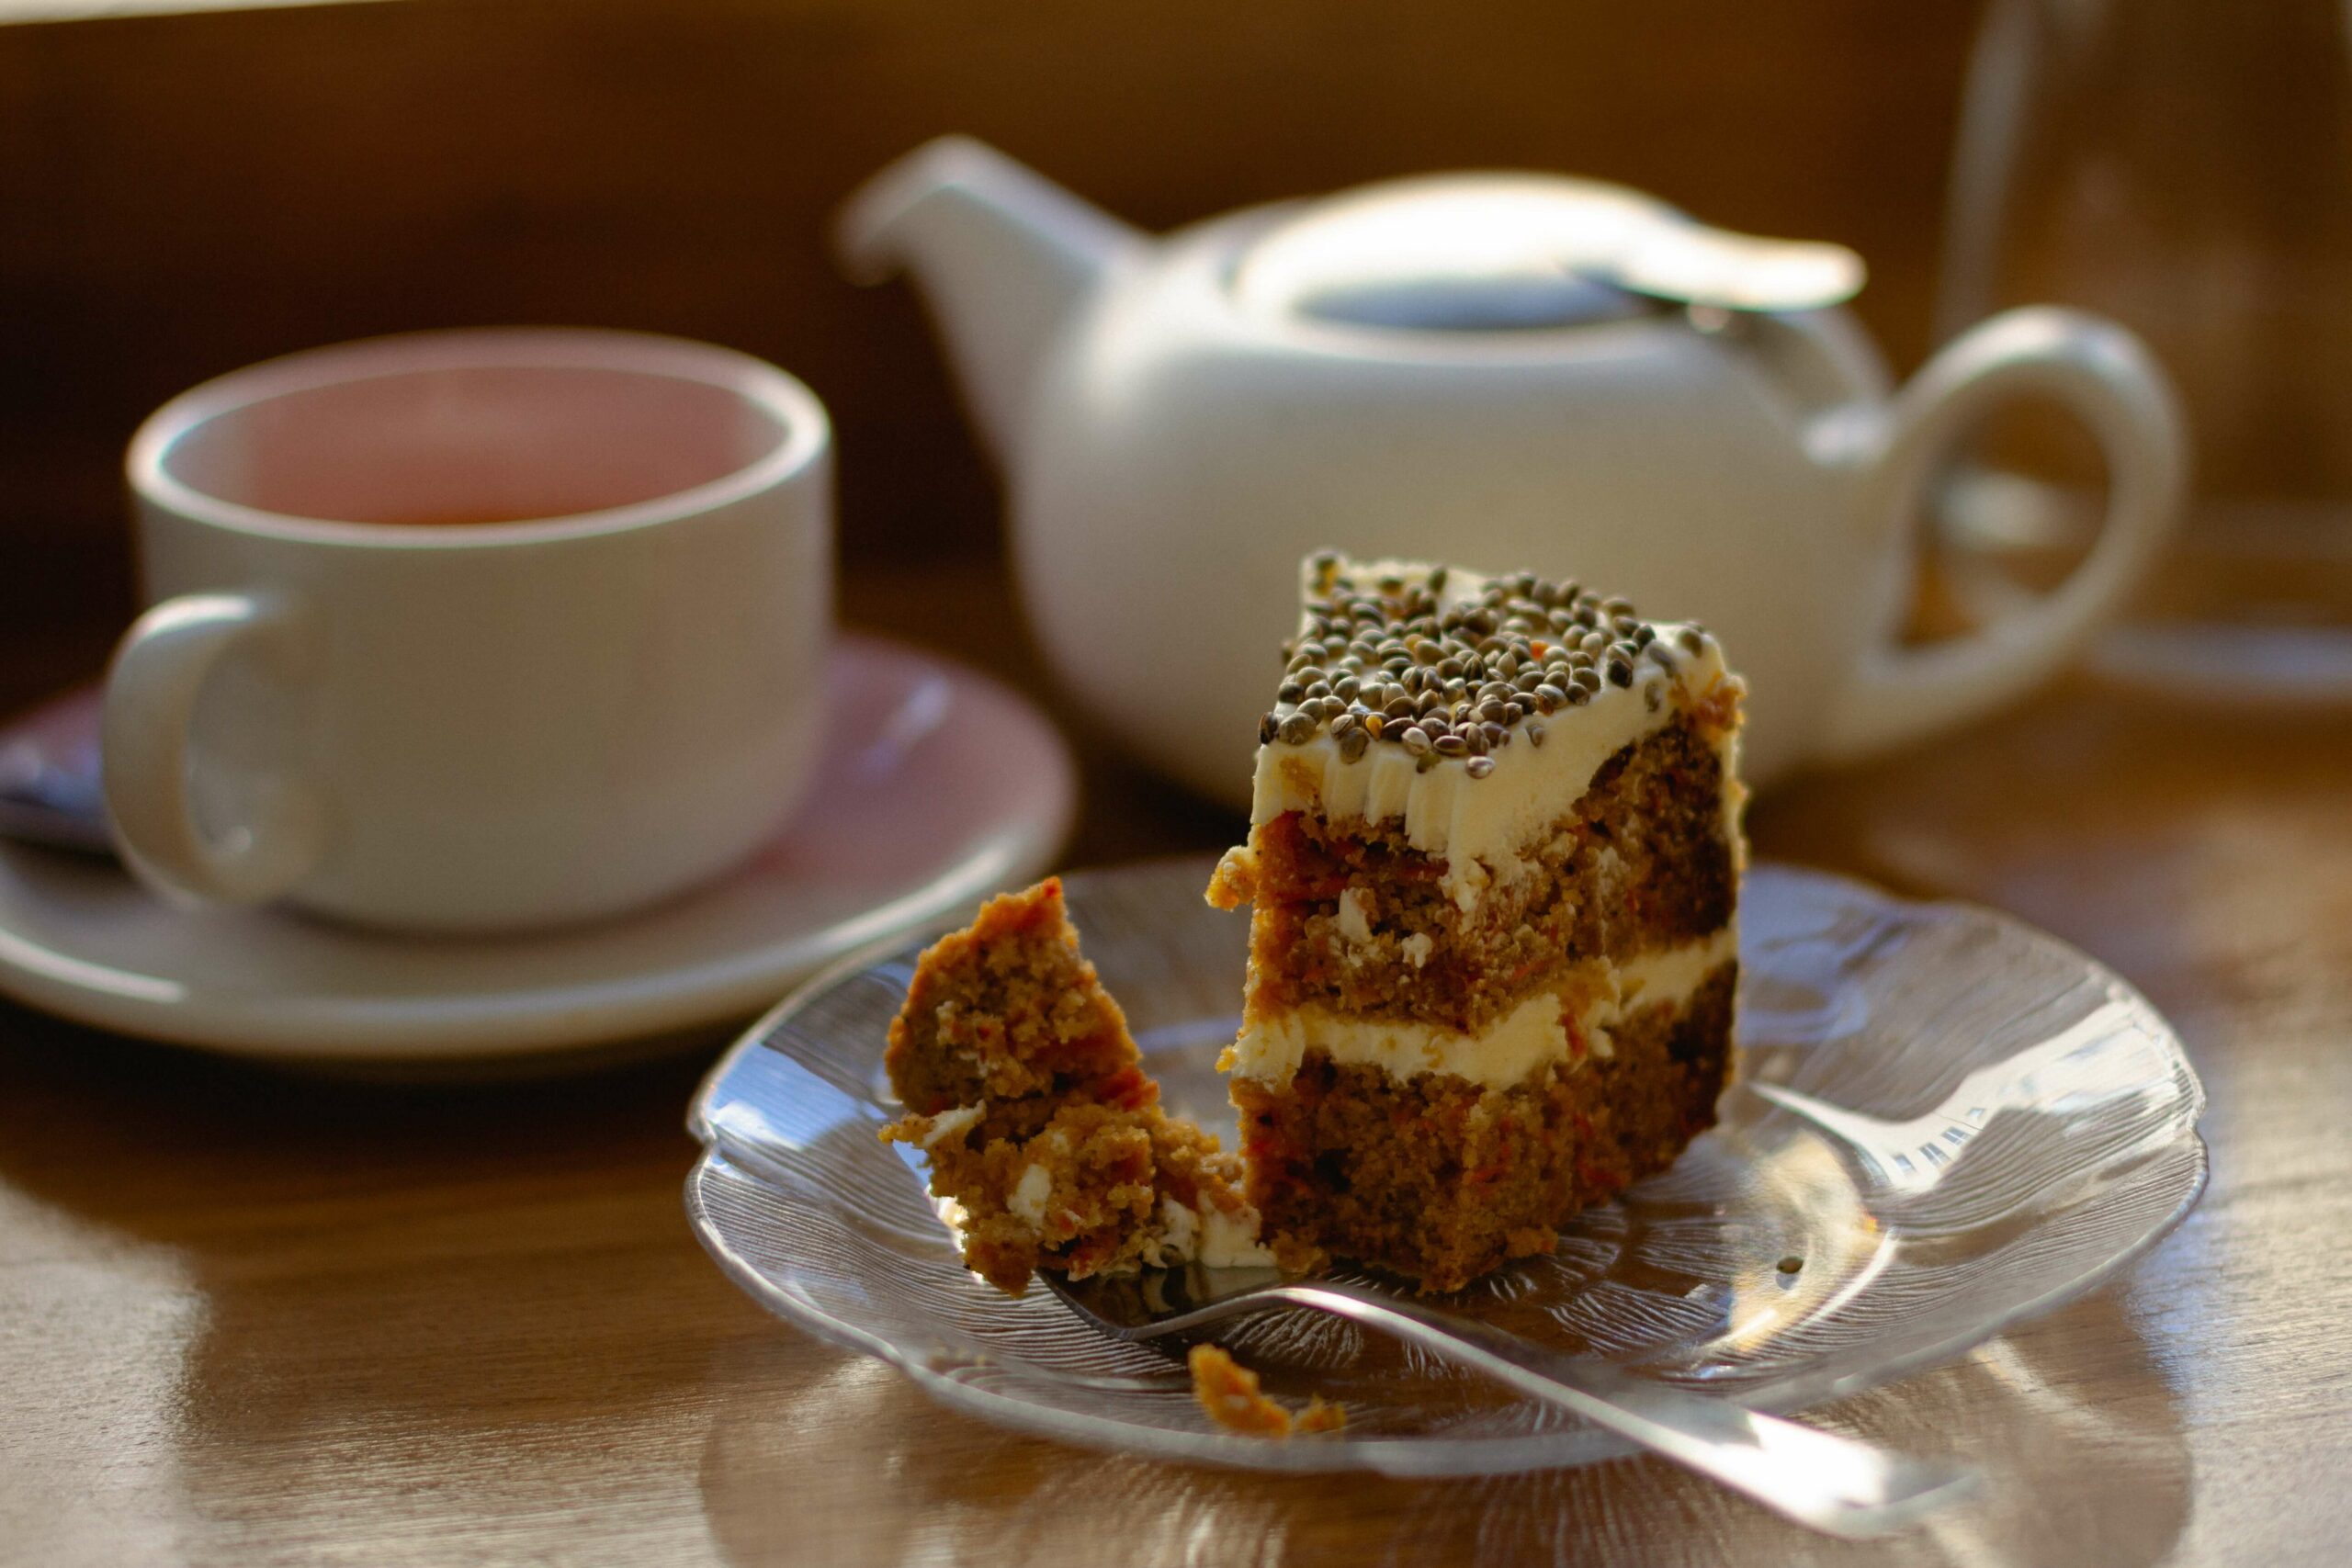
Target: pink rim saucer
(942,785)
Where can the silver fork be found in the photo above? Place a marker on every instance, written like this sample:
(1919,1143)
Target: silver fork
(1838,1485)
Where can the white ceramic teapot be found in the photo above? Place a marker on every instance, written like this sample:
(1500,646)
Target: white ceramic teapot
(1506,371)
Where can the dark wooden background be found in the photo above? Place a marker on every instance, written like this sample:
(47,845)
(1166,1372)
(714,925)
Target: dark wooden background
(181,195)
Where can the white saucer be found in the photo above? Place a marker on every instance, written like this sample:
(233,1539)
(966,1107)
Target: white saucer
(939,786)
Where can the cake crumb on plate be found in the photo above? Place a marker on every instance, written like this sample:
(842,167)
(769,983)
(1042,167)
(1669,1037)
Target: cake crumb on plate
(1229,1391)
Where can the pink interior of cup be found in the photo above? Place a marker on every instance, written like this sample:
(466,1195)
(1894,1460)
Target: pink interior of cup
(473,442)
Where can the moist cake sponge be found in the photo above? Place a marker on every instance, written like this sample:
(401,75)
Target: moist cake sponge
(1493,863)
(1024,1092)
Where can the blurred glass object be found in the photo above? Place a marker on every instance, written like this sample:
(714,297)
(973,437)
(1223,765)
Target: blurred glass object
(2185,167)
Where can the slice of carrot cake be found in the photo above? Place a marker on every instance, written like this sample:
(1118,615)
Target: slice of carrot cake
(1494,856)
(1026,1095)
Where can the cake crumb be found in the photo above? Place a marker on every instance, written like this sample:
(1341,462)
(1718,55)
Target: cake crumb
(1229,1391)
(1320,1416)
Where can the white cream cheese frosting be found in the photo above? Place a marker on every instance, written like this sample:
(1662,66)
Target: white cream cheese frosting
(1208,1237)
(1028,1195)
(1594,998)
(1479,812)
(952,1123)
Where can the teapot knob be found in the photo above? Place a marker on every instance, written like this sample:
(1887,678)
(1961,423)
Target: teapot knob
(1692,265)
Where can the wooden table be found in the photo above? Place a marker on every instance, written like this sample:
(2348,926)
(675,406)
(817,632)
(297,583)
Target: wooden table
(251,1317)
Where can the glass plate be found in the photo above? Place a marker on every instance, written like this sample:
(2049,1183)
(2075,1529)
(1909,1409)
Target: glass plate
(1947,1122)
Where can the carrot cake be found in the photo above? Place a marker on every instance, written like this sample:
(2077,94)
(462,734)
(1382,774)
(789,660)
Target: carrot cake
(1026,1096)
(1494,858)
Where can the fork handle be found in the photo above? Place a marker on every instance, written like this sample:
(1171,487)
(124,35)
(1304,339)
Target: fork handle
(1839,1485)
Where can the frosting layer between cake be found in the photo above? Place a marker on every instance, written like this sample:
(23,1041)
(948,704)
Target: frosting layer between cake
(1532,1036)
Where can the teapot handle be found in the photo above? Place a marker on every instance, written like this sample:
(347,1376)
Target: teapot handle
(2106,379)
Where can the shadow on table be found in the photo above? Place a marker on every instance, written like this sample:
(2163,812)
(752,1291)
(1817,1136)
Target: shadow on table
(2067,1482)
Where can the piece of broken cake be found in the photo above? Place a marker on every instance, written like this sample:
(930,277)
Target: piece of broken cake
(1025,1094)
(1494,858)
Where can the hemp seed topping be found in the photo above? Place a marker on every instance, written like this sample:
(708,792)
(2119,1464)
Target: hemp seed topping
(1387,660)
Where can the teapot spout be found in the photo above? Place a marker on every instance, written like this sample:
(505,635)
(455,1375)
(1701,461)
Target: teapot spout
(1002,256)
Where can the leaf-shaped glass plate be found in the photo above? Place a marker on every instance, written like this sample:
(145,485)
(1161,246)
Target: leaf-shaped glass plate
(1947,1122)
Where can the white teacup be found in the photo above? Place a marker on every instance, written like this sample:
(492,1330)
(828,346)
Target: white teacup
(472,630)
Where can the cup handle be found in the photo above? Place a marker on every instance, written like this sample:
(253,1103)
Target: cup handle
(159,672)
(2106,379)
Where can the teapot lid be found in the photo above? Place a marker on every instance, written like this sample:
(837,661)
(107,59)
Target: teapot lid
(1482,252)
